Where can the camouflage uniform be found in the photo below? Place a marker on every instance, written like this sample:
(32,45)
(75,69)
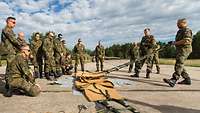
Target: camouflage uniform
(9,42)
(99,56)
(48,48)
(36,49)
(133,53)
(79,54)
(146,47)
(68,65)
(20,43)
(58,53)
(156,60)
(20,77)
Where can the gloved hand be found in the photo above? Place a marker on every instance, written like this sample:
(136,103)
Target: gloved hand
(171,42)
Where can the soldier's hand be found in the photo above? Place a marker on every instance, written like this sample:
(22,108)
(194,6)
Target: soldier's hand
(171,42)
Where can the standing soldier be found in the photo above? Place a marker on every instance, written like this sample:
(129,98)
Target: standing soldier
(99,55)
(133,54)
(58,54)
(36,48)
(64,56)
(183,45)
(9,43)
(146,48)
(20,39)
(19,76)
(79,54)
(48,48)
(156,59)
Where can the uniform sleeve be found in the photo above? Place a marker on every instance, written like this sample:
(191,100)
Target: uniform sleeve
(26,72)
(188,34)
(11,37)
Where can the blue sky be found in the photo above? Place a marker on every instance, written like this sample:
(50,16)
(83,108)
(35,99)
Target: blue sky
(112,21)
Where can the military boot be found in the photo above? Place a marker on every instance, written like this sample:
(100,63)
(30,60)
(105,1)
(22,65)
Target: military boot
(9,91)
(41,75)
(186,81)
(171,81)
(75,69)
(82,68)
(59,73)
(135,75)
(101,67)
(158,70)
(36,74)
(47,75)
(97,69)
(148,75)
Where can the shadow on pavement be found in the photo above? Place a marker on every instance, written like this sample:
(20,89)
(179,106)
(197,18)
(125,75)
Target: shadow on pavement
(166,108)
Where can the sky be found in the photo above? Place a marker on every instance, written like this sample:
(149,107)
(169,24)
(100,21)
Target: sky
(111,21)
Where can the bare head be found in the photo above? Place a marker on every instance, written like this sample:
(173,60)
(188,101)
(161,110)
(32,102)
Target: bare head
(11,22)
(51,35)
(182,23)
(147,31)
(25,50)
(21,35)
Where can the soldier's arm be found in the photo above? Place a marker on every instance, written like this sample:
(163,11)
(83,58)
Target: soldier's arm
(187,38)
(26,72)
(11,37)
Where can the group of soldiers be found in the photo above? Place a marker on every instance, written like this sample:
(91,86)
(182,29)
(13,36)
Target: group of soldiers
(58,61)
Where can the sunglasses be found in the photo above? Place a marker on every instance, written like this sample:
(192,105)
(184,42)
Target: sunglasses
(13,22)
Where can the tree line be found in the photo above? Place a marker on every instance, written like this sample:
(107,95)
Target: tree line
(121,50)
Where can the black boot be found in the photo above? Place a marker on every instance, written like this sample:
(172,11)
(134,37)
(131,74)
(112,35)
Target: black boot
(36,74)
(97,69)
(75,70)
(59,73)
(148,75)
(41,75)
(171,81)
(47,75)
(186,81)
(101,67)
(135,75)
(8,92)
(158,69)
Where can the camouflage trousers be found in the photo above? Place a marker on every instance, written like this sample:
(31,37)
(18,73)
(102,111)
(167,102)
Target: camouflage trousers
(98,60)
(80,58)
(22,84)
(139,64)
(9,59)
(181,57)
(49,65)
(156,61)
(58,62)
(132,61)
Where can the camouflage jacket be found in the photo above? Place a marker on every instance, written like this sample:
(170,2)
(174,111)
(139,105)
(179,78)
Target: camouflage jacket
(21,42)
(48,46)
(19,68)
(58,49)
(147,43)
(9,41)
(184,34)
(79,49)
(99,51)
(36,47)
(133,52)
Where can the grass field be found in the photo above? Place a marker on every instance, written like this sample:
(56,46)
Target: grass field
(193,62)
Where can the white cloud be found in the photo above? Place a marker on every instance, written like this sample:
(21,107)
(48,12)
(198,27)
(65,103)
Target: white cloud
(106,20)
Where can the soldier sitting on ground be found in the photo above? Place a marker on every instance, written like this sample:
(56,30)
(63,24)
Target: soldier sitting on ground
(20,77)
(67,65)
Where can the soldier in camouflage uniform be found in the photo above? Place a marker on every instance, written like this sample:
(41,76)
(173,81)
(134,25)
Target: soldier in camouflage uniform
(68,64)
(9,43)
(133,54)
(36,49)
(19,76)
(79,54)
(99,56)
(58,54)
(20,39)
(147,46)
(156,60)
(48,48)
(183,45)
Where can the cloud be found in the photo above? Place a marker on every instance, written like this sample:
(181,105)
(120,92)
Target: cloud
(107,20)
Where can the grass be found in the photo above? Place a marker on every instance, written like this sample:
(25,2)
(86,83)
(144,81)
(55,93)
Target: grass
(189,62)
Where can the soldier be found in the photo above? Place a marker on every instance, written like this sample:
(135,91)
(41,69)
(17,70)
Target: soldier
(20,39)
(156,59)
(183,45)
(36,49)
(99,55)
(48,48)
(133,54)
(68,64)
(58,53)
(19,76)
(79,54)
(146,48)
(9,42)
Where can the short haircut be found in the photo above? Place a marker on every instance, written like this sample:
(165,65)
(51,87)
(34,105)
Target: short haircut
(147,29)
(182,20)
(10,17)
